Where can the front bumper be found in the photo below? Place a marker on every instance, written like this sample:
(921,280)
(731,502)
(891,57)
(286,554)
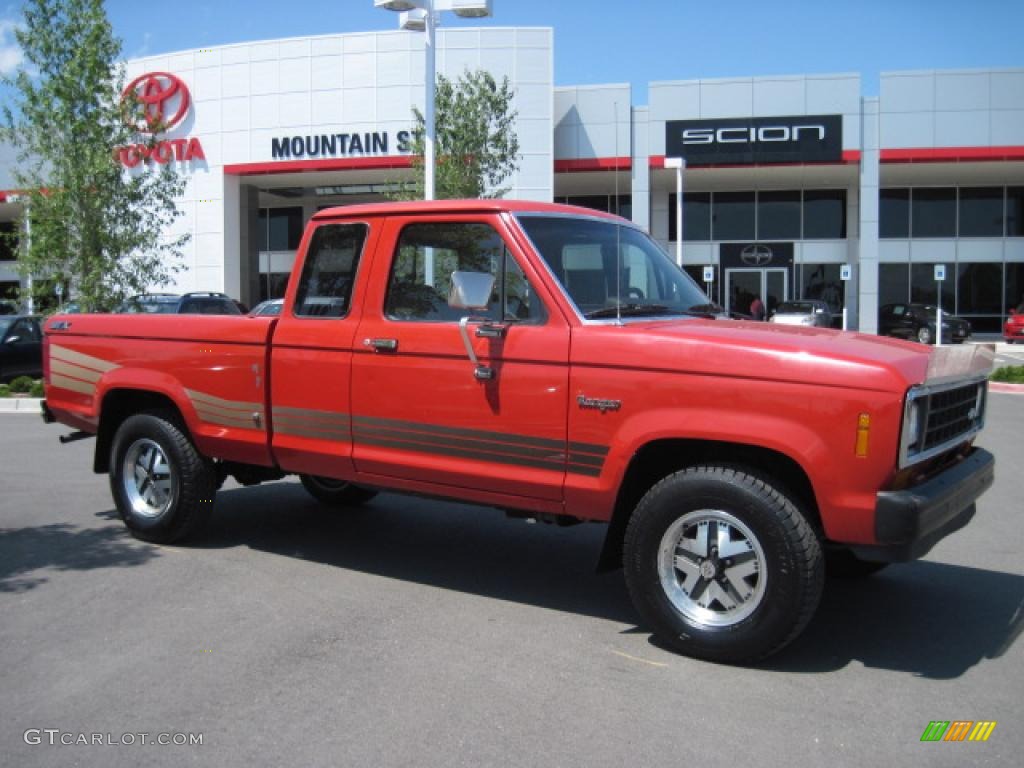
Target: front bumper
(909,523)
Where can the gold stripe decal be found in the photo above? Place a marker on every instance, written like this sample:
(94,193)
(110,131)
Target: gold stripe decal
(239,414)
(306,422)
(77,358)
(74,385)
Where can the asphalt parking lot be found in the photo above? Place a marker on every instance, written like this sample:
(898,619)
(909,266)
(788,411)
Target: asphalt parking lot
(418,633)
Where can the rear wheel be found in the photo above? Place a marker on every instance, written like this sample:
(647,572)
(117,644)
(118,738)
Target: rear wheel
(721,565)
(162,486)
(924,335)
(339,493)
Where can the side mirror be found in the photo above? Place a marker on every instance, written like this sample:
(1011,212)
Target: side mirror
(471,290)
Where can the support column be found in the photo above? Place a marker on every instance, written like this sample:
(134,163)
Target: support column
(866,268)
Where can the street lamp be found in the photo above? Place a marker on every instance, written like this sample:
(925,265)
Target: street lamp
(419,16)
(679,163)
(24,200)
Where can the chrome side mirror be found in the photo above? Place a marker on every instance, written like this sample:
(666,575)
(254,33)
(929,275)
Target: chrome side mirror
(472,291)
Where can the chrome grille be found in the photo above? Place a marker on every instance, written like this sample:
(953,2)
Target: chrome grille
(948,415)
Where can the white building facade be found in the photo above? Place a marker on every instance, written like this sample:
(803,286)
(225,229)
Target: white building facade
(791,183)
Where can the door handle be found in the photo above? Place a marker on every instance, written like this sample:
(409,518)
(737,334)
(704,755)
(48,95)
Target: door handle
(381,345)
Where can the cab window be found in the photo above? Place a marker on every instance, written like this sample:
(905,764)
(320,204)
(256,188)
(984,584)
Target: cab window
(325,287)
(427,254)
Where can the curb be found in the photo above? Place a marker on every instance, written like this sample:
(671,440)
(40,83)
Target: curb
(20,405)
(1005,388)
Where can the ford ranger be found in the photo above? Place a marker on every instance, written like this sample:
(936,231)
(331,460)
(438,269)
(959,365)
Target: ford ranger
(553,362)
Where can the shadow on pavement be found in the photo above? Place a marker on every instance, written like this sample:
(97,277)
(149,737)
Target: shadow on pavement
(929,619)
(451,546)
(64,547)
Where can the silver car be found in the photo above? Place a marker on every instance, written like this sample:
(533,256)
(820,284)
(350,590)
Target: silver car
(803,312)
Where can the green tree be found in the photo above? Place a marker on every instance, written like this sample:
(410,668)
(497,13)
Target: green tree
(475,142)
(93,225)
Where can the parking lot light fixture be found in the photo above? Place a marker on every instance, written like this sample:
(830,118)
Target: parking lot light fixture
(420,15)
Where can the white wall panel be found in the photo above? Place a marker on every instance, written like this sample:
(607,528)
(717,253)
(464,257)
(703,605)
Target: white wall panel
(913,92)
(780,97)
(906,130)
(295,109)
(325,72)
(294,76)
(726,98)
(961,91)
(326,106)
(962,129)
(1007,90)
(1007,128)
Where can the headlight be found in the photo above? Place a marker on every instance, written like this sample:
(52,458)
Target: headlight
(913,423)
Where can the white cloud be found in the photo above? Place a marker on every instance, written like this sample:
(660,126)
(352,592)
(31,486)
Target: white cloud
(10,54)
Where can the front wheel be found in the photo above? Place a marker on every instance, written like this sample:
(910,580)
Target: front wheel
(924,335)
(162,486)
(721,565)
(338,493)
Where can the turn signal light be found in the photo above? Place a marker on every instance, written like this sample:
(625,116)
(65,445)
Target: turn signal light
(863,430)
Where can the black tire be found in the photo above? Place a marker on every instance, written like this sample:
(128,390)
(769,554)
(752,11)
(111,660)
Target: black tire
(174,496)
(337,493)
(843,564)
(776,559)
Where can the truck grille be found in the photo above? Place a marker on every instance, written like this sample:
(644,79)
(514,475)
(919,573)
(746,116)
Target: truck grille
(946,416)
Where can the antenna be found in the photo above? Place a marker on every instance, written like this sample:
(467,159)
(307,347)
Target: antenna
(618,227)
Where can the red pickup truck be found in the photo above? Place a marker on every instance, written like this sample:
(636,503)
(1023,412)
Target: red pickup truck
(553,362)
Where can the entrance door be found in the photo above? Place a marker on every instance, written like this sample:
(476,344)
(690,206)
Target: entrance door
(743,285)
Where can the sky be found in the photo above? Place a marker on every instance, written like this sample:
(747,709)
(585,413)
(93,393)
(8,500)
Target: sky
(635,41)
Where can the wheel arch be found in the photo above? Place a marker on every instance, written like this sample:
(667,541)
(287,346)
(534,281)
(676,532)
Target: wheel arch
(659,458)
(118,405)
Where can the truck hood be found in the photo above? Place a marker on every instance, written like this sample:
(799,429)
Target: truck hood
(768,351)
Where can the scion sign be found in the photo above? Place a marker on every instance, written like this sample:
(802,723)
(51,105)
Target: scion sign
(744,141)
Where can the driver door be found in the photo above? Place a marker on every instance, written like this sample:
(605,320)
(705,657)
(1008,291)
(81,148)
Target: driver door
(420,411)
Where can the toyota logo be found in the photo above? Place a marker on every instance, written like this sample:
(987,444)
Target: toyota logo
(756,255)
(164,98)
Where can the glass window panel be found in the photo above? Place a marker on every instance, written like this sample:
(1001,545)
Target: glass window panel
(263,241)
(924,286)
(597,202)
(825,214)
(696,217)
(778,216)
(933,212)
(732,216)
(8,241)
(1015,212)
(821,281)
(893,283)
(981,212)
(894,213)
(327,276)
(285,229)
(979,289)
(1014,286)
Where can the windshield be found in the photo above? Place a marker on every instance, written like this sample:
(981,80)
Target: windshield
(609,269)
(796,308)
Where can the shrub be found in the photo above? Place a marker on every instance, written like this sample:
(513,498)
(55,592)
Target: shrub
(1010,373)
(21,385)
(5,390)
(37,389)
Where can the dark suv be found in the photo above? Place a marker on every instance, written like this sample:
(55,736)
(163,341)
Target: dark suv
(198,303)
(916,322)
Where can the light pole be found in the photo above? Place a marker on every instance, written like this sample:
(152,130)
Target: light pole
(679,163)
(419,15)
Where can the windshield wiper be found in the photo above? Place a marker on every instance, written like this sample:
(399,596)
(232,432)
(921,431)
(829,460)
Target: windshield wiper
(630,310)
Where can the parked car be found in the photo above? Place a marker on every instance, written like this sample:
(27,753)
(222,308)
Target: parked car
(804,312)
(268,308)
(21,347)
(916,322)
(1013,331)
(196,303)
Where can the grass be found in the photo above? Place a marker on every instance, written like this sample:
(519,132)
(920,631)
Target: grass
(1014,374)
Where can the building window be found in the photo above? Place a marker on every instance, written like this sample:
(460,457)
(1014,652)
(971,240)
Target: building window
(696,217)
(933,212)
(1014,291)
(825,214)
(606,203)
(8,240)
(778,215)
(894,214)
(822,281)
(1015,212)
(280,229)
(893,283)
(733,216)
(980,212)
(924,288)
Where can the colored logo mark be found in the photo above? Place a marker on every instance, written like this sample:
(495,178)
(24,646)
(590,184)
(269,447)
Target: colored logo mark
(164,97)
(958,730)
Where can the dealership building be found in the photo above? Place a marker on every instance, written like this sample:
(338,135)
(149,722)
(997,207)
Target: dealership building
(794,187)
